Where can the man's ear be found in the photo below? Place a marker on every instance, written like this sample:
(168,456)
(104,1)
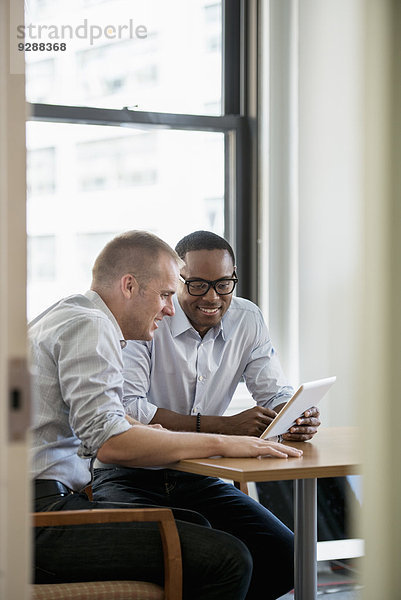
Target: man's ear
(128,285)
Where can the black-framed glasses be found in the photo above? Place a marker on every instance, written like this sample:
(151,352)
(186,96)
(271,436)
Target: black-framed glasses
(200,287)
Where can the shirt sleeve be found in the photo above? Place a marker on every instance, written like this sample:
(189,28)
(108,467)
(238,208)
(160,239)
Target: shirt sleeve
(90,374)
(263,374)
(137,368)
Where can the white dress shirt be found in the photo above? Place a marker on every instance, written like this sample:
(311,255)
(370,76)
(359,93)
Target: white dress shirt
(76,387)
(188,374)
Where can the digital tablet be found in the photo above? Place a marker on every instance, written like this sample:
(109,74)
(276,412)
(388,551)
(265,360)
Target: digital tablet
(307,395)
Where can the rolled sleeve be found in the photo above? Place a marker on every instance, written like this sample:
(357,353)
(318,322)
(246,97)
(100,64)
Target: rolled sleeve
(105,430)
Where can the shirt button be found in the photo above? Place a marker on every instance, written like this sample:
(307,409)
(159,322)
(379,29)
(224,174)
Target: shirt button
(201,378)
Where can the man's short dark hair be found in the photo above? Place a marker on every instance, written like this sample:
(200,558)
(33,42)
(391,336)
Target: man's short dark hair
(203,240)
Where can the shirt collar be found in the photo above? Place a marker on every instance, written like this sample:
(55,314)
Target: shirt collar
(101,305)
(180,322)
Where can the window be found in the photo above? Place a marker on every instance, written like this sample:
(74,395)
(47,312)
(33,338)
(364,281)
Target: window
(105,180)
(172,63)
(101,161)
(117,162)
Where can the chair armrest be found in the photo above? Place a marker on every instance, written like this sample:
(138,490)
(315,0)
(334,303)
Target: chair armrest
(164,518)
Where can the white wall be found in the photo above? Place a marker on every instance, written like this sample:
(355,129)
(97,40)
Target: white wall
(331,197)
(314,192)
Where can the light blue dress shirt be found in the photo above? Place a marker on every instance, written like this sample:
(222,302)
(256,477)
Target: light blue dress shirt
(76,347)
(183,372)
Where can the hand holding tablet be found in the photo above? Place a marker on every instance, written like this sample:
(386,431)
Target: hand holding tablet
(307,395)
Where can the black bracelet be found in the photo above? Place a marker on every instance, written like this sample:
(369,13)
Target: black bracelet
(198,422)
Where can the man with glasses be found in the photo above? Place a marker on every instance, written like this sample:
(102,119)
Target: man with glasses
(184,380)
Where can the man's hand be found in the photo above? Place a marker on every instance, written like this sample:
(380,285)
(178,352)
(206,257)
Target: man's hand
(244,446)
(305,428)
(249,422)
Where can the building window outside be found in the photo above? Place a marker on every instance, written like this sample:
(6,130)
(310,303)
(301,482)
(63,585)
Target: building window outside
(40,171)
(42,260)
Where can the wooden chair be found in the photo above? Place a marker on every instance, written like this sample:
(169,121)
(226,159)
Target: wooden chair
(117,590)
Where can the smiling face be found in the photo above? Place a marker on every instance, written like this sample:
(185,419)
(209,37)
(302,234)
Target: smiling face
(151,302)
(205,311)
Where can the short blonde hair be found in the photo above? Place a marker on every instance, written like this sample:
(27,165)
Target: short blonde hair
(134,252)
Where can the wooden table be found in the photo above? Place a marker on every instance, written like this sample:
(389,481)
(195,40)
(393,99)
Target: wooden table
(333,452)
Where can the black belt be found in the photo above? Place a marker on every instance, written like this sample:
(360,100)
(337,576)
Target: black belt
(50,487)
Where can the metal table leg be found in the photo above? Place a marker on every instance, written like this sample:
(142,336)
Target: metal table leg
(305,521)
